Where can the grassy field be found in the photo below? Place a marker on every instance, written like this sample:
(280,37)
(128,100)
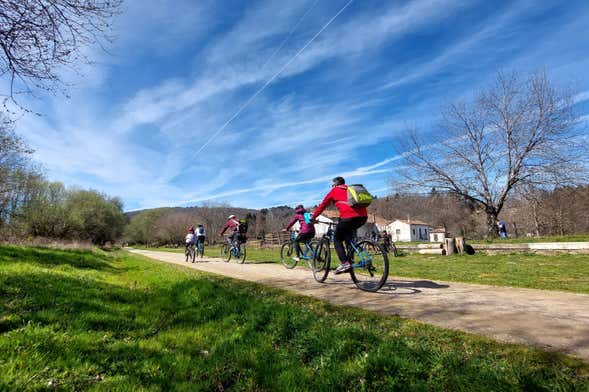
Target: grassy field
(555,272)
(79,320)
(521,240)
(565,272)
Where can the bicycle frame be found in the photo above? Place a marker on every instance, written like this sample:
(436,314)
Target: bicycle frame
(306,254)
(350,245)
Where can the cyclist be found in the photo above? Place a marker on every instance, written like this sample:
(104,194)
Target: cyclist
(233,225)
(200,235)
(307,229)
(386,241)
(190,238)
(351,218)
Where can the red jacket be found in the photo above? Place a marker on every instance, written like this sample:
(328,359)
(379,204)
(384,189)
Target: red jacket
(232,224)
(339,196)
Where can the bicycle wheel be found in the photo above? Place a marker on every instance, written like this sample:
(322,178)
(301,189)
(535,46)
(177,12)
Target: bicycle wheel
(321,261)
(371,267)
(393,250)
(287,254)
(186,254)
(242,252)
(310,252)
(225,252)
(192,253)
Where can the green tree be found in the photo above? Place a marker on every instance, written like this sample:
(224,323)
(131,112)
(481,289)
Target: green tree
(142,227)
(94,216)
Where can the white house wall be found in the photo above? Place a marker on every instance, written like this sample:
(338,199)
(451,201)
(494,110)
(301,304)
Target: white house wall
(408,232)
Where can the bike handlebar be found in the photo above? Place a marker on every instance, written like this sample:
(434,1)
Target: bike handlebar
(314,221)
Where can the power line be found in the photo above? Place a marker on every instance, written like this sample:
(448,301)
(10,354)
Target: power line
(250,100)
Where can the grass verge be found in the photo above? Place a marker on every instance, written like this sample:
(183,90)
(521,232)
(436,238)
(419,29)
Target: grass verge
(563,272)
(521,240)
(91,320)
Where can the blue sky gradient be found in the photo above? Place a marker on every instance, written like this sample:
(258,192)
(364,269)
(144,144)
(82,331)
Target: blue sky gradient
(179,70)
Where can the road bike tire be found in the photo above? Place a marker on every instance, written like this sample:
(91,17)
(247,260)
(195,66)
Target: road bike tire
(321,261)
(186,254)
(371,271)
(193,253)
(286,255)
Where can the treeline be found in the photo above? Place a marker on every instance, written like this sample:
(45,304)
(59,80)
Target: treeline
(164,226)
(529,212)
(32,207)
(562,211)
(536,212)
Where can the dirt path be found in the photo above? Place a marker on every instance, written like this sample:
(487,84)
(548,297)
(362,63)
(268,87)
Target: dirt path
(551,320)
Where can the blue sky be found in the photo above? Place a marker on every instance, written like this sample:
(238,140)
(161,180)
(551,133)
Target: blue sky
(149,121)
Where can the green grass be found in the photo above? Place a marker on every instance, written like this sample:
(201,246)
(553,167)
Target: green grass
(82,320)
(521,240)
(563,272)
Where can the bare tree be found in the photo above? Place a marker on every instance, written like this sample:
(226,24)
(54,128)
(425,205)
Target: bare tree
(37,37)
(515,133)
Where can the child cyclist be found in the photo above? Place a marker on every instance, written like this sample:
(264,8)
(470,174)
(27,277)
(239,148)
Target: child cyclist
(200,234)
(190,238)
(351,218)
(307,229)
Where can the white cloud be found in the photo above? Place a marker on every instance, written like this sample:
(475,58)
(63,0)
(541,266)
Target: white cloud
(581,97)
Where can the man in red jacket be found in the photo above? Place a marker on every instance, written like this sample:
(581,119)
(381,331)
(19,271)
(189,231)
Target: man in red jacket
(233,225)
(351,218)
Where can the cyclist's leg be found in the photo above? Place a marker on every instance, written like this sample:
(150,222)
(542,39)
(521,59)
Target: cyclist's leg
(302,238)
(234,241)
(345,231)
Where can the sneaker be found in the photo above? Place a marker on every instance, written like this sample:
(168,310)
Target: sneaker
(343,267)
(295,258)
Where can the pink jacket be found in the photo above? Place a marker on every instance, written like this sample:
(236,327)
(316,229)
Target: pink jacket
(300,217)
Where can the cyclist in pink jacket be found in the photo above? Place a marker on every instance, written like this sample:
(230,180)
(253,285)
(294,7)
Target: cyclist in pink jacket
(307,229)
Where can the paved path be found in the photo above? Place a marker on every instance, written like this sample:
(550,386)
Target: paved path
(551,320)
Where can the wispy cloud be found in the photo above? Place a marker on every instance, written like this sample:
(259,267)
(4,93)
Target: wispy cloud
(581,97)
(183,69)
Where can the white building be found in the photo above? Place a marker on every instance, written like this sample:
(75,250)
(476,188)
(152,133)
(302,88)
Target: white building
(409,230)
(438,234)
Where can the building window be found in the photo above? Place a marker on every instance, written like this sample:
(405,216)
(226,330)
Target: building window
(435,238)
(413,231)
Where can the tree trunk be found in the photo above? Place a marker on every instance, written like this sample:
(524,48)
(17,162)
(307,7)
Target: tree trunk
(536,220)
(492,228)
(450,246)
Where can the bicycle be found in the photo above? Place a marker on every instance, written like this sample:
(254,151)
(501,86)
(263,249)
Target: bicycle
(236,250)
(200,249)
(288,251)
(370,273)
(189,252)
(391,248)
